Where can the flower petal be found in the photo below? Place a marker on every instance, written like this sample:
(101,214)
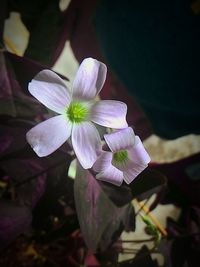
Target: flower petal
(138,161)
(50,90)
(103,161)
(49,135)
(120,140)
(107,172)
(86,143)
(138,153)
(111,175)
(132,172)
(89,79)
(109,113)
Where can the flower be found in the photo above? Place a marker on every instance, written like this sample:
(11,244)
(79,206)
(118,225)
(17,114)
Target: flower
(77,112)
(125,161)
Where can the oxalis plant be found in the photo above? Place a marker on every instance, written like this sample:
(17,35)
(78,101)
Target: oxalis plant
(62,125)
(78,113)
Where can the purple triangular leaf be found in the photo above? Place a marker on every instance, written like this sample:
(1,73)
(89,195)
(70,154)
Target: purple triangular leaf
(14,100)
(15,74)
(100,220)
(119,195)
(25,69)
(29,172)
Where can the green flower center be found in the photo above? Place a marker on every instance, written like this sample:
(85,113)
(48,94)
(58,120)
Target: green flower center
(120,156)
(77,112)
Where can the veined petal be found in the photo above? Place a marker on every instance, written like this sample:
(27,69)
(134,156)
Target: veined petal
(103,161)
(86,143)
(49,135)
(138,160)
(109,113)
(89,79)
(111,175)
(50,90)
(132,171)
(138,153)
(120,140)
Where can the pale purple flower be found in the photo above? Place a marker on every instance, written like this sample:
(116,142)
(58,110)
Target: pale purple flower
(78,111)
(125,161)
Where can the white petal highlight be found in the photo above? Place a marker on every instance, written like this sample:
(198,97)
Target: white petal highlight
(111,175)
(110,113)
(120,140)
(86,143)
(103,161)
(48,136)
(138,153)
(89,79)
(50,90)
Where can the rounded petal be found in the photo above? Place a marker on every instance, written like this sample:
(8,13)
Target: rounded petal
(120,140)
(50,90)
(132,172)
(103,161)
(86,143)
(49,135)
(89,79)
(138,161)
(138,153)
(110,113)
(111,175)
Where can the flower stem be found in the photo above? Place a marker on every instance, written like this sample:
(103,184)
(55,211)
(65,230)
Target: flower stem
(153,219)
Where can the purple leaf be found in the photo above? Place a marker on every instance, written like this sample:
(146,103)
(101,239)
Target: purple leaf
(185,238)
(6,99)
(29,173)
(142,259)
(14,220)
(39,189)
(100,220)
(58,201)
(119,195)
(182,180)
(25,69)
(147,183)
(12,139)
(14,100)
(15,74)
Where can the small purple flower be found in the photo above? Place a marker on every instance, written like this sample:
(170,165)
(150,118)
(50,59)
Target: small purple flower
(78,111)
(127,158)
